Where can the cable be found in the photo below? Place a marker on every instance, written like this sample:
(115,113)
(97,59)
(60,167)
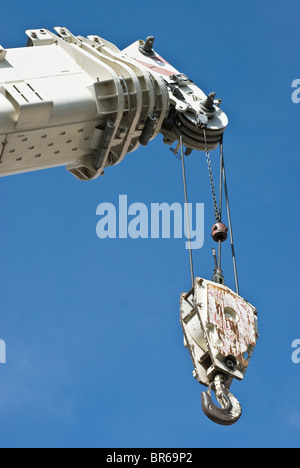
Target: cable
(230,224)
(218,210)
(187,210)
(220,199)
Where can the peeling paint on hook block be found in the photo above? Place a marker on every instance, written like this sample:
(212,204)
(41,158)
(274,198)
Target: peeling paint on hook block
(231,324)
(220,331)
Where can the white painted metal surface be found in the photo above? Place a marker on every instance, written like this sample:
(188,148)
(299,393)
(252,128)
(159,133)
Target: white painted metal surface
(59,95)
(220,331)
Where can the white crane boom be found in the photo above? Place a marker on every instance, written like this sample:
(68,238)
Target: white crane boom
(84,104)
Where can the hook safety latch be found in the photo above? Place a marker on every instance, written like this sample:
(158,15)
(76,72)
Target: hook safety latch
(230,411)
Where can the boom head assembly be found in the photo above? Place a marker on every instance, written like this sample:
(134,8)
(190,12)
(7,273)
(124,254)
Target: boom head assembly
(84,104)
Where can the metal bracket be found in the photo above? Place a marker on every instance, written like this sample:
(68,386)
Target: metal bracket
(39,37)
(2,54)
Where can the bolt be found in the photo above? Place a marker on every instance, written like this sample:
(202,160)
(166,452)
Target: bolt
(148,44)
(146,48)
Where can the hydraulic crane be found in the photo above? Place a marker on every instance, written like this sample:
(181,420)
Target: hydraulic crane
(82,103)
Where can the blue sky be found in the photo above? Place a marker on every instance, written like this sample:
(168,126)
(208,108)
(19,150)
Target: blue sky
(94,345)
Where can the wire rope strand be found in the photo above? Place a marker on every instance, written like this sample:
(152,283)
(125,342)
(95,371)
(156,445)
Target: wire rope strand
(230,227)
(187,211)
(220,200)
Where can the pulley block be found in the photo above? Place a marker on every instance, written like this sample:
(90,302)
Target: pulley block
(220,331)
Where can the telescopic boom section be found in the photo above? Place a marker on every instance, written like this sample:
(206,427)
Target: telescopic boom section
(84,104)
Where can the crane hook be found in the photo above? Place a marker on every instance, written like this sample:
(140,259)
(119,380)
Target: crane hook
(230,411)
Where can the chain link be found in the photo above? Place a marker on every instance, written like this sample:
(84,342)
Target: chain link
(211,177)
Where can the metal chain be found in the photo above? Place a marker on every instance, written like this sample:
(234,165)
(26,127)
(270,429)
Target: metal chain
(211,177)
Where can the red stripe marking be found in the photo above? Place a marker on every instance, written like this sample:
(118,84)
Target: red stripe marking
(163,71)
